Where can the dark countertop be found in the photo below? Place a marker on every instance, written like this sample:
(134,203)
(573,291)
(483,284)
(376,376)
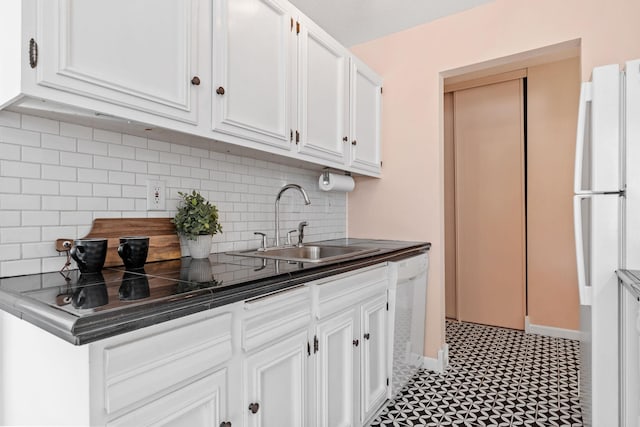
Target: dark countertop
(631,280)
(88,307)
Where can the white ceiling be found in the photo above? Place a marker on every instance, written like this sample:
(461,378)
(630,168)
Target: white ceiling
(355,21)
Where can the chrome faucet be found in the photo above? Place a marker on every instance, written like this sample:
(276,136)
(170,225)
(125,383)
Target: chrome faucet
(282,190)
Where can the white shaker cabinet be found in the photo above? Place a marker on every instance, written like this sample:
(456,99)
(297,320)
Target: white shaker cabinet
(135,53)
(323,94)
(336,370)
(374,377)
(275,383)
(254,47)
(201,403)
(366,110)
(275,359)
(352,351)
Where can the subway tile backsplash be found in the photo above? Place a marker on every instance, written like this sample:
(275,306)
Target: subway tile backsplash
(56,177)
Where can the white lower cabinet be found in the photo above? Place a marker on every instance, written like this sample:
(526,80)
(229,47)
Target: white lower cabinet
(374,381)
(351,350)
(201,403)
(314,355)
(275,383)
(336,370)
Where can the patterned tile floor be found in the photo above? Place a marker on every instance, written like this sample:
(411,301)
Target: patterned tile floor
(496,377)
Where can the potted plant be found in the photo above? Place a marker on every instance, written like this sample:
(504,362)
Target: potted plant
(197,221)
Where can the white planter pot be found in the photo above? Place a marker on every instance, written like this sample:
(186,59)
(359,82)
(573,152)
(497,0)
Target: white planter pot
(201,247)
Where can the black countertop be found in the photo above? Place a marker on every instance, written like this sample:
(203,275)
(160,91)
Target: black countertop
(82,308)
(631,280)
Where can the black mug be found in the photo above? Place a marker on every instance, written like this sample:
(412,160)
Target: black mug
(90,291)
(135,285)
(89,254)
(133,250)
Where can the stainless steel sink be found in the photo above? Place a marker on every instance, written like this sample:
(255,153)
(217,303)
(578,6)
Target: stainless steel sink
(307,253)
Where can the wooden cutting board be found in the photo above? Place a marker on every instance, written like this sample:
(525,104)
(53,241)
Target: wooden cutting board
(164,243)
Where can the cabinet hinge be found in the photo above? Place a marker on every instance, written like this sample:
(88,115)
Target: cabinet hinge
(381,89)
(387,381)
(387,306)
(380,164)
(291,24)
(315,344)
(297,27)
(308,349)
(33,53)
(297,137)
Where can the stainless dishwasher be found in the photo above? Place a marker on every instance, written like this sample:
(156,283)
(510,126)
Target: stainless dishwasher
(407,305)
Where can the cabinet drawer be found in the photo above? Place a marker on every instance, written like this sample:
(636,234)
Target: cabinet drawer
(150,366)
(348,291)
(270,317)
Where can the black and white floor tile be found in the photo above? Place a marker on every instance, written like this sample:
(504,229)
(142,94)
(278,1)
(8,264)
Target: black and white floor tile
(496,377)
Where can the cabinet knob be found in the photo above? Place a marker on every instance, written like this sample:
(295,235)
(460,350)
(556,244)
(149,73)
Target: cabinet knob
(225,424)
(195,81)
(354,142)
(367,336)
(253,407)
(356,342)
(220,91)
(345,139)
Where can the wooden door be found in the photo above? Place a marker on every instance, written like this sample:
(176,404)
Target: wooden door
(450,296)
(490,230)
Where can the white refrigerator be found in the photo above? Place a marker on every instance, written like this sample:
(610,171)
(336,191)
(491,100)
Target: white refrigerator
(607,228)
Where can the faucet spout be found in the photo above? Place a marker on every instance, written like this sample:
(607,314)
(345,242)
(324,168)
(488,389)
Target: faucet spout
(282,190)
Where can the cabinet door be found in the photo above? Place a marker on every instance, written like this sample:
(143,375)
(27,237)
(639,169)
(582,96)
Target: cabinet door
(374,375)
(275,383)
(336,368)
(201,403)
(366,100)
(141,54)
(323,94)
(253,56)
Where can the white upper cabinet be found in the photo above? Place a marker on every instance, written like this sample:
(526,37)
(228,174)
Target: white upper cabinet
(136,53)
(323,94)
(366,106)
(252,73)
(253,57)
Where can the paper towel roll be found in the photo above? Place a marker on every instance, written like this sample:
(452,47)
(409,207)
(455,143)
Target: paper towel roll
(336,183)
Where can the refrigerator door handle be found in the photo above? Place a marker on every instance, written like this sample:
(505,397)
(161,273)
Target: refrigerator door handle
(583,288)
(585,98)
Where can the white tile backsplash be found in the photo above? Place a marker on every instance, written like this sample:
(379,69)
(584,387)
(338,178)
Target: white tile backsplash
(74,173)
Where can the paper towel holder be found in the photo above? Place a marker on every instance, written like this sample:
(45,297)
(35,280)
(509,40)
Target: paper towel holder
(325,175)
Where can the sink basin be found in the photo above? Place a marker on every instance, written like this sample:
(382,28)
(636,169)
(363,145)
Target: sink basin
(307,253)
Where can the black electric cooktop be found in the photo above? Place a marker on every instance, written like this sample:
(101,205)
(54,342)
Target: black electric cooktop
(83,294)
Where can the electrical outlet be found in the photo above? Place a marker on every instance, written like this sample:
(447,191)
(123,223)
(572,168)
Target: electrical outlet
(156,195)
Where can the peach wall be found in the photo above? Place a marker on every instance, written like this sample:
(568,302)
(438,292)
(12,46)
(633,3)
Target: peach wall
(408,202)
(553,92)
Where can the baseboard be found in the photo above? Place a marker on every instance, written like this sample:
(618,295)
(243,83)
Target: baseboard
(439,364)
(550,331)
